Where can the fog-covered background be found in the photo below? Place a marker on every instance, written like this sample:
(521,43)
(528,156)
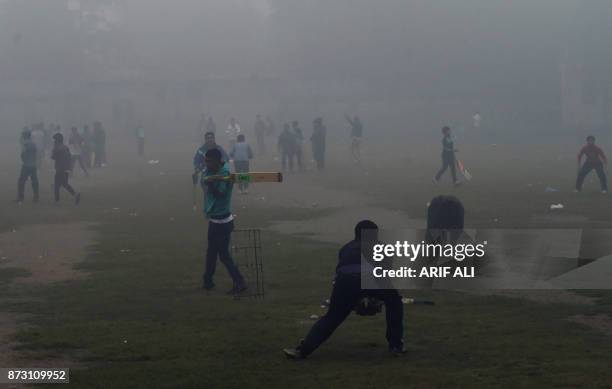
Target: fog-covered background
(404,65)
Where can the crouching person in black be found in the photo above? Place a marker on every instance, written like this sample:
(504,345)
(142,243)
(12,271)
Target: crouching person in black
(347,295)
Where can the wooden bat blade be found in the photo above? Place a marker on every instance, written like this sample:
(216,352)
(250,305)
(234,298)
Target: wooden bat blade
(251,177)
(258,177)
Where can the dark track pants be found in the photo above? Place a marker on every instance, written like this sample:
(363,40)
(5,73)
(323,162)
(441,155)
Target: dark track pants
(448,161)
(61,180)
(219,236)
(27,172)
(586,169)
(345,295)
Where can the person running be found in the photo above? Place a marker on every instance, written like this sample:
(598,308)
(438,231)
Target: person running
(448,156)
(299,143)
(345,296)
(62,158)
(140,135)
(241,153)
(287,143)
(29,160)
(260,134)
(75,144)
(356,134)
(594,159)
(217,208)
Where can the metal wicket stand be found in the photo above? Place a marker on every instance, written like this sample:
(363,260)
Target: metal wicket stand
(247,253)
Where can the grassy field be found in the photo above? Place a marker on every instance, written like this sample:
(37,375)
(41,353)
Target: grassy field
(140,318)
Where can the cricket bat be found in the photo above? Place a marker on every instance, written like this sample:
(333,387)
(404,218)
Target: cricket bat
(251,177)
(463,170)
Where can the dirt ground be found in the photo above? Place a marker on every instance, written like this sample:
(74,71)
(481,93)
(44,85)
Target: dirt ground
(44,254)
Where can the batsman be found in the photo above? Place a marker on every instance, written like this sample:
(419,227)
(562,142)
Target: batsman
(217,208)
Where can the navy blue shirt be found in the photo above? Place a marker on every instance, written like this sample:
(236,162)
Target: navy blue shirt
(349,258)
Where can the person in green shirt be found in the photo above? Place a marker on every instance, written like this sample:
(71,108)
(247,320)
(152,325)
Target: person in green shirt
(217,208)
(28,166)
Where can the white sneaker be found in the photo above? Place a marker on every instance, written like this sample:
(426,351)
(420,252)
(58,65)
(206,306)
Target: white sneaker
(604,191)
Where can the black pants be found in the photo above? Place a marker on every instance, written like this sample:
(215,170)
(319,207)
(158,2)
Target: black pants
(586,169)
(448,161)
(345,295)
(141,144)
(61,180)
(242,167)
(27,172)
(219,236)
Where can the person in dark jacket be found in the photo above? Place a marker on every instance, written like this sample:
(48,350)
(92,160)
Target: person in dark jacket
(99,143)
(260,135)
(287,144)
(347,293)
(448,156)
(62,158)
(29,159)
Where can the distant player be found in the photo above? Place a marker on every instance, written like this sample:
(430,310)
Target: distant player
(217,208)
(594,159)
(356,134)
(62,158)
(29,158)
(287,144)
(476,120)
(260,134)
(448,156)
(99,144)
(140,136)
(75,144)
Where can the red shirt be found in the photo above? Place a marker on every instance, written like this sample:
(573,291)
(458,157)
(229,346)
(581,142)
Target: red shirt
(593,154)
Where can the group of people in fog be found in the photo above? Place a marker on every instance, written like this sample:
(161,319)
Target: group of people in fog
(85,148)
(289,142)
